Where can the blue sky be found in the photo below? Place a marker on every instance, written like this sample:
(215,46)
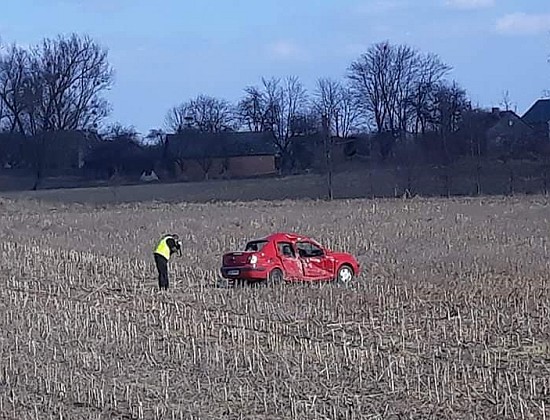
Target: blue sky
(167,51)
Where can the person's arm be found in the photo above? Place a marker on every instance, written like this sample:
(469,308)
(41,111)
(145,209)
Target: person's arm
(173,245)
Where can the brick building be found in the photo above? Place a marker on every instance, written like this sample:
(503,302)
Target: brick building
(197,156)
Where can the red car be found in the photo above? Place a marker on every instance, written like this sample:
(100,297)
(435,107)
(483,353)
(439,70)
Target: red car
(288,257)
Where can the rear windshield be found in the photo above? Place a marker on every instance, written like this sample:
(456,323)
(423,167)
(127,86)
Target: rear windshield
(255,246)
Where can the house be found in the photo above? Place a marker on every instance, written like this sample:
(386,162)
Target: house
(507,132)
(11,150)
(309,151)
(121,157)
(67,149)
(56,151)
(538,117)
(197,155)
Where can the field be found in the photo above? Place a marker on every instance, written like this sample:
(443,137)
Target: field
(449,319)
(351,180)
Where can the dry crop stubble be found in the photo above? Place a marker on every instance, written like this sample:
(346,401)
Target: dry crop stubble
(448,321)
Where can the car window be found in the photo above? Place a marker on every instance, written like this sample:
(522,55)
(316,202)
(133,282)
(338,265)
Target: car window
(308,250)
(255,246)
(285,249)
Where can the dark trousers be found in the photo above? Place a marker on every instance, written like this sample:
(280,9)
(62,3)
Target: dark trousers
(162,268)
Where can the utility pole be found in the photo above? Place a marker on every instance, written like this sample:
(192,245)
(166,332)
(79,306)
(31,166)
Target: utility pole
(328,154)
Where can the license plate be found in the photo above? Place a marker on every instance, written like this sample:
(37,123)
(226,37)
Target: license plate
(233,273)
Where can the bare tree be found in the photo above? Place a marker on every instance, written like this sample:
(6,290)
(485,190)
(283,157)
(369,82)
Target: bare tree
(252,109)
(204,113)
(430,73)
(305,123)
(179,118)
(372,83)
(14,81)
(328,146)
(473,126)
(212,115)
(449,107)
(337,103)
(506,101)
(404,74)
(349,114)
(392,84)
(3,115)
(120,132)
(279,106)
(55,85)
(286,101)
(70,75)
(450,102)
(326,102)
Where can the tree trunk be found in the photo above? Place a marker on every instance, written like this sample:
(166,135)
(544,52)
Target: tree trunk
(511,188)
(478,178)
(328,155)
(38,177)
(545,179)
(448,182)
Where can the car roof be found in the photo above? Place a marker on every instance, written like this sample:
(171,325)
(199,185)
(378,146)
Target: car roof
(283,236)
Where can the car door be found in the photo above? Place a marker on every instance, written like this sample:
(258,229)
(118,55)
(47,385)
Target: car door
(314,261)
(291,263)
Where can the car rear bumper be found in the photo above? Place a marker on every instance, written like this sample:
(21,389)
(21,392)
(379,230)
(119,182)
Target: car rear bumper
(252,273)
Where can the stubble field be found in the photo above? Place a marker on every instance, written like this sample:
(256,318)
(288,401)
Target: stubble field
(449,320)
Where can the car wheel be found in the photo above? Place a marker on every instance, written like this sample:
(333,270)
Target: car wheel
(345,274)
(275,278)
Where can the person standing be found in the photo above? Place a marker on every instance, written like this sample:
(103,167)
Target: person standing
(166,247)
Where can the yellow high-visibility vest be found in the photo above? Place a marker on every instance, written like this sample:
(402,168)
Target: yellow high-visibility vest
(163,248)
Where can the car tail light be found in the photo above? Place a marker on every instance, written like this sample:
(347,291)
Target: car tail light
(253,259)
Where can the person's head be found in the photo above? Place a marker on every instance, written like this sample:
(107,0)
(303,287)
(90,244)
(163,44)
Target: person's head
(175,236)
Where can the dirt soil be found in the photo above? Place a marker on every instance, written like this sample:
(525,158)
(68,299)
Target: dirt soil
(448,320)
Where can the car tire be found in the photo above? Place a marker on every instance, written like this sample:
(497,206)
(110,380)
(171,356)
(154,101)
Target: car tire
(345,274)
(276,277)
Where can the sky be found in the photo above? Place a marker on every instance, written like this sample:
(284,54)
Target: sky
(165,52)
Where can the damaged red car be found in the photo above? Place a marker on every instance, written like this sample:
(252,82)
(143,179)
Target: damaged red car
(288,257)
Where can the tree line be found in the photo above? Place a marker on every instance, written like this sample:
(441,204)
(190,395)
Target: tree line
(57,84)
(389,89)
(392,91)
